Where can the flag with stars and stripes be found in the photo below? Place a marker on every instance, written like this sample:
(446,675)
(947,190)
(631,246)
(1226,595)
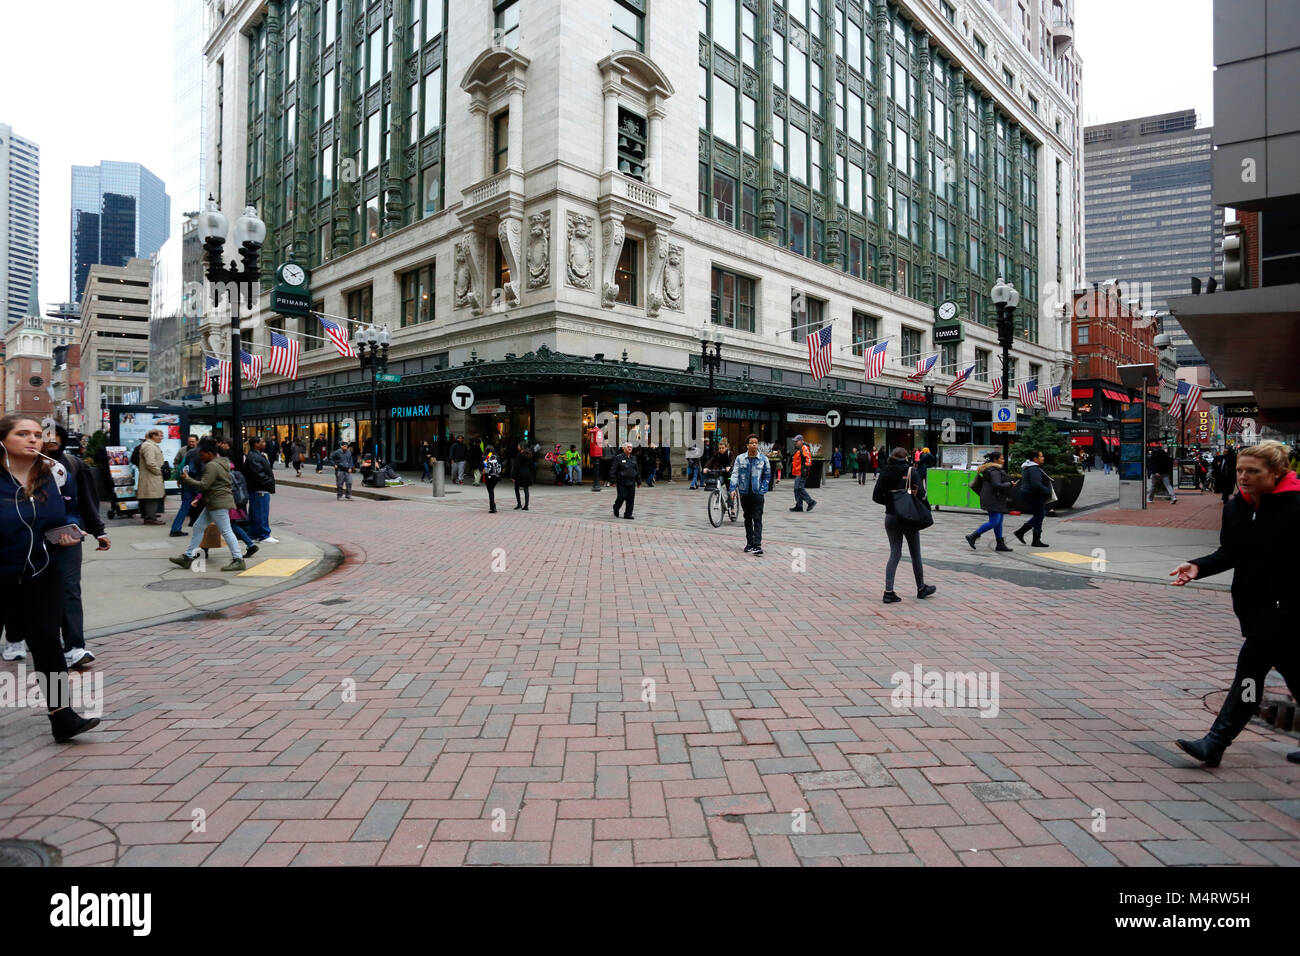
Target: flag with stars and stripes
(252,367)
(819,352)
(923,367)
(996,390)
(1185,399)
(1052,401)
(284,355)
(338,335)
(219,370)
(876,360)
(1028,392)
(960,380)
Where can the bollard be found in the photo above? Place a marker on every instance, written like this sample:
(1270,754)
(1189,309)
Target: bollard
(439,480)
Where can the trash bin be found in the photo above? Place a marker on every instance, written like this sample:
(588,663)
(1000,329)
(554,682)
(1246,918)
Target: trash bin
(815,473)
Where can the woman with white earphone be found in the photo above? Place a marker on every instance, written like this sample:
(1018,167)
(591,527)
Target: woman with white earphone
(33,521)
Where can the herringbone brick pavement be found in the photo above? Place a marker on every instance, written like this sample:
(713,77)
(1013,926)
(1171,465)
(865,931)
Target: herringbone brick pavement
(559,687)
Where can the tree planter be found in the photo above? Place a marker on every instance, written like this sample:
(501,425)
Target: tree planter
(1068,488)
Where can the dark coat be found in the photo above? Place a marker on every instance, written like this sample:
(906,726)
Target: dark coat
(521,468)
(1258,546)
(24,552)
(1035,486)
(257,469)
(87,511)
(995,494)
(892,477)
(624,470)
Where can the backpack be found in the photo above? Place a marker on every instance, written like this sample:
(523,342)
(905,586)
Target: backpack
(492,468)
(239,488)
(135,455)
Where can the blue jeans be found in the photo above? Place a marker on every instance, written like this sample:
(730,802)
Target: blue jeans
(187,498)
(994,524)
(259,515)
(801,492)
(693,472)
(575,474)
(221,517)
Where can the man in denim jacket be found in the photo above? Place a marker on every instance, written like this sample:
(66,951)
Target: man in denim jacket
(751,476)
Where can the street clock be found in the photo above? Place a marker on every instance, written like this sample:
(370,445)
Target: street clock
(948,311)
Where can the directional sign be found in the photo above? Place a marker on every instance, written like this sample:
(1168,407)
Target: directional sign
(1004,415)
(833,418)
(916,422)
(462,397)
(387,377)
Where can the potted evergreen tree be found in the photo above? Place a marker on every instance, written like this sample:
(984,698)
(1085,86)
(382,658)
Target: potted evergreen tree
(1040,434)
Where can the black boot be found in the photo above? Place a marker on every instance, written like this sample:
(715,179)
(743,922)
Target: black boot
(1038,542)
(67,723)
(1232,718)
(1020,532)
(1002,545)
(972,538)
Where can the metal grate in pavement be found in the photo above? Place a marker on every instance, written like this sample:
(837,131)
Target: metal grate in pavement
(1025,578)
(28,853)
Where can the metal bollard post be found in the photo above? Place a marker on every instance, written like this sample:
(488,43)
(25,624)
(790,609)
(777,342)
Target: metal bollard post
(439,480)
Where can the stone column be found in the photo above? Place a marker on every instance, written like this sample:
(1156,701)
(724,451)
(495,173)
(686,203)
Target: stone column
(515,134)
(885,274)
(345,190)
(766,117)
(510,234)
(610,151)
(304,151)
(557,418)
(656,119)
(395,181)
(990,191)
(927,263)
(830,149)
(479,165)
(1015,214)
(958,102)
(272,174)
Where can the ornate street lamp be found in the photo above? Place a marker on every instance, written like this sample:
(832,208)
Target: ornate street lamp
(711,335)
(1006,298)
(372,352)
(250,233)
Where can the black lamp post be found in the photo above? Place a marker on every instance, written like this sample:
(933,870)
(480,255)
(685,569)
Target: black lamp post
(929,404)
(1006,298)
(372,351)
(250,233)
(711,336)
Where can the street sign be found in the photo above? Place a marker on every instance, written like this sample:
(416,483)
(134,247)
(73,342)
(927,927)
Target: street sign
(916,422)
(710,414)
(387,377)
(833,418)
(462,397)
(1004,415)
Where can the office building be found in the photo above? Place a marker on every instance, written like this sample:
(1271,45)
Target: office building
(120,211)
(114,337)
(547,202)
(1149,219)
(20,194)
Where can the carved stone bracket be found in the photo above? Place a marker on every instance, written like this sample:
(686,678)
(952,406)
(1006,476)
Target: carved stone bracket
(580,265)
(657,258)
(613,233)
(539,250)
(469,274)
(674,279)
(510,233)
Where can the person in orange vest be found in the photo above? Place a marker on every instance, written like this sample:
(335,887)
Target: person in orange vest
(800,466)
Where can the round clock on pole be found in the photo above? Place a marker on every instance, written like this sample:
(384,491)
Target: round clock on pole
(948,310)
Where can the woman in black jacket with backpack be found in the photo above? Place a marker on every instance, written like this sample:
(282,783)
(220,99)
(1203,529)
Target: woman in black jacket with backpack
(893,477)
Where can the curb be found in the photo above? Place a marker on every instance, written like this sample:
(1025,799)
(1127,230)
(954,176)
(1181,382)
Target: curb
(356,492)
(1134,578)
(323,565)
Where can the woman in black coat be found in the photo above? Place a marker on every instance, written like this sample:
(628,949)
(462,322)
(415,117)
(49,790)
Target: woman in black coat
(1036,488)
(1260,527)
(892,477)
(521,470)
(995,499)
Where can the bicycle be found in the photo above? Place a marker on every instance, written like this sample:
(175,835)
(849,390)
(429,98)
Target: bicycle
(722,503)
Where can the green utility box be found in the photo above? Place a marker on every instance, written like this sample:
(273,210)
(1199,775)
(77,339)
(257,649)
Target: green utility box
(948,486)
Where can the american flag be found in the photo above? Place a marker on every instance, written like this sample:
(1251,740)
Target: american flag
(284,356)
(338,335)
(996,390)
(1052,402)
(876,360)
(923,368)
(960,380)
(1028,392)
(819,352)
(1185,399)
(1230,424)
(216,369)
(252,367)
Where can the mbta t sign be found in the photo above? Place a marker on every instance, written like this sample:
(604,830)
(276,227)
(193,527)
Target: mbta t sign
(462,397)
(833,418)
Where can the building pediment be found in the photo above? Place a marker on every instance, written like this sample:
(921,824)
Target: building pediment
(492,68)
(639,72)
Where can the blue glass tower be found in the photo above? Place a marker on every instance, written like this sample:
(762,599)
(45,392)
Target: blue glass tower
(119,211)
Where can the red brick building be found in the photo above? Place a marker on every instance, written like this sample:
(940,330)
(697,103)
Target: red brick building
(1107,333)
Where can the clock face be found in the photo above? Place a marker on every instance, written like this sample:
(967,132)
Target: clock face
(36,381)
(293,274)
(947,310)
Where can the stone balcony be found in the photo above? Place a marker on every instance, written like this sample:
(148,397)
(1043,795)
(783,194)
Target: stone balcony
(634,199)
(501,194)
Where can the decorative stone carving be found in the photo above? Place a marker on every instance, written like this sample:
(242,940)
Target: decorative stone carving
(674,280)
(510,233)
(613,233)
(656,256)
(581,253)
(468,275)
(539,250)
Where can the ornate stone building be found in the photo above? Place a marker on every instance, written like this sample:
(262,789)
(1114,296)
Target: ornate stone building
(555,201)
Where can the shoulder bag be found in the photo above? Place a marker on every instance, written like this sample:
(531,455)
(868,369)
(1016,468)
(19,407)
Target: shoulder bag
(911,508)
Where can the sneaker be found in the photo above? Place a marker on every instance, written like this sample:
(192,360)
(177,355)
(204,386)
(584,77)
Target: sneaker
(1173,501)
(184,561)
(811,506)
(748,548)
(268,540)
(348,498)
(176,534)
(252,550)
(890,598)
(15,651)
(756,552)
(236,565)
(77,658)
(926,591)
(796,508)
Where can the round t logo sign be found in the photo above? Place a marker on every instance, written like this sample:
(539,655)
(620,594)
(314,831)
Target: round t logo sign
(462,397)
(833,418)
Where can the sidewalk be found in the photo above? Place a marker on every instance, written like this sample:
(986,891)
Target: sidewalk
(133,585)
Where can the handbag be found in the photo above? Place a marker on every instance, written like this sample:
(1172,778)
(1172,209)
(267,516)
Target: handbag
(911,508)
(977,483)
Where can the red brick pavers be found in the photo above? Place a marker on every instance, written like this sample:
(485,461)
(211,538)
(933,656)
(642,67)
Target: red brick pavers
(641,692)
(1195,509)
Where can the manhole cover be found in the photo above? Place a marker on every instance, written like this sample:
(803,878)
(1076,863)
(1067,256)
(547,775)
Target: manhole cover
(28,853)
(1090,534)
(196,584)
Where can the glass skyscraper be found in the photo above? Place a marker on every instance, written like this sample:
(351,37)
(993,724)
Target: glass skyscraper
(20,188)
(119,211)
(1148,218)
(185,184)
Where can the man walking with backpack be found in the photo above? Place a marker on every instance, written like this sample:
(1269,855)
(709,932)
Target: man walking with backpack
(800,466)
(751,476)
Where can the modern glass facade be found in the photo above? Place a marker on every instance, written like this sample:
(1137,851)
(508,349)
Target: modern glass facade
(885,160)
(1149,218)
(185,182)
(119,211)
(345,122)
(20,189)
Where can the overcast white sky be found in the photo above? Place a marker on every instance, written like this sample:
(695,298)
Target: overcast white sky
(91,80)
